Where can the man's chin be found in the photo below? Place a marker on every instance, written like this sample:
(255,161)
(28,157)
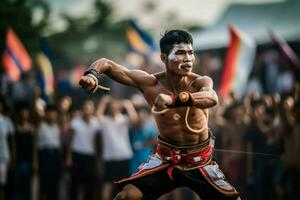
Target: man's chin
(184,73)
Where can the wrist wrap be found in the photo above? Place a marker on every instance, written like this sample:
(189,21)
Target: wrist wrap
(183,99)
(95,75)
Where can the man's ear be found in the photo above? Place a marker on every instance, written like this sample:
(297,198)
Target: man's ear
(163,57)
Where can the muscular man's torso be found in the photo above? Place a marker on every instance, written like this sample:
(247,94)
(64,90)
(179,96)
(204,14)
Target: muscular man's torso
(172,124)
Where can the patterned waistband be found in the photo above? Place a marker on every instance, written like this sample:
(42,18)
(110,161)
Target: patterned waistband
(185,157)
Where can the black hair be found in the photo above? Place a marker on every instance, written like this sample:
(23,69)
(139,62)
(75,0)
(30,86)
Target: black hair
(174,37)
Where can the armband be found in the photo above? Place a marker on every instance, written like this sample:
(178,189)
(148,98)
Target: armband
(183,99)
(92,72)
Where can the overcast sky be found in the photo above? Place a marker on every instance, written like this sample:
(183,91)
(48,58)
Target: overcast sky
(179,12)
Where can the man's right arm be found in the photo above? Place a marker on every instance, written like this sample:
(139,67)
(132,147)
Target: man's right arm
(117,72)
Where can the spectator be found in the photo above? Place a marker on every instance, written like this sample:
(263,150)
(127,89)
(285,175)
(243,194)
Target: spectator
(291,174)
(82,155)
(64,118)
(49,154)
(117,151)
(26,154)
(143,136)
(6,130)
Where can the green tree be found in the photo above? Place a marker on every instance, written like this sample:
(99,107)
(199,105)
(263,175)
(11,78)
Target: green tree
(18,14)
(89,37)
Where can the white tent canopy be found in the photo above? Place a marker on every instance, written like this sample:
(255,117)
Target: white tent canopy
(254,20)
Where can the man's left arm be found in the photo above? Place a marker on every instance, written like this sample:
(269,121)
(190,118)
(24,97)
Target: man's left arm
(206,97)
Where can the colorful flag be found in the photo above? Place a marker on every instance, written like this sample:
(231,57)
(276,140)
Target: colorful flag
(15,58)
(45,74)
(141,46)
(238,63)
(287,51)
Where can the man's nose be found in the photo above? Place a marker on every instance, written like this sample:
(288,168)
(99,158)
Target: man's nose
(188,58)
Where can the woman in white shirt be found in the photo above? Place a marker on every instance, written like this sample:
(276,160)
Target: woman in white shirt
(49,154)
(117,151)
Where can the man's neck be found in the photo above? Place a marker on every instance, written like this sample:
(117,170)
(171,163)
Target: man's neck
(176,82)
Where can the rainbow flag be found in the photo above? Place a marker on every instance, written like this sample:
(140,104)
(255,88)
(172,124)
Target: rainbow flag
(45,72)
(238,63)
(15,58)
(141,46)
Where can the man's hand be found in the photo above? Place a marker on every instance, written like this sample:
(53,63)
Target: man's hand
(163,101)
(88,83)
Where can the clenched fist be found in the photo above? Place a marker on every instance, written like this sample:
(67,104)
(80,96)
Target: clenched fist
(88,83)
(163,101)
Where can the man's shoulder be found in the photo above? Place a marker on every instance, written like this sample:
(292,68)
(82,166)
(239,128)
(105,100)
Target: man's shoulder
(142,78)
(200,78)
(152,79)
(200,81)
(159,74)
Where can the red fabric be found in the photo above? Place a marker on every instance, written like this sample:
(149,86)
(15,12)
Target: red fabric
(173,101)
(232,52)
(10,67)
(183,158)
(15,58)
(19,51)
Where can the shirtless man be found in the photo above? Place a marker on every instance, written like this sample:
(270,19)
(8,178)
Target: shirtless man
(180,100)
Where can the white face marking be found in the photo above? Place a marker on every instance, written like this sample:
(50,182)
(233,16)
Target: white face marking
(180,66)
(179,58)
(172,55)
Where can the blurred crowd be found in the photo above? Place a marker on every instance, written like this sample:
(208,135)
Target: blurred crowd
(58,151)
(258,143)
(258,132)
(70,149)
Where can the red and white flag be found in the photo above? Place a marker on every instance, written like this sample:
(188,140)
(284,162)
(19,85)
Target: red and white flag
(238,63)
(15,58)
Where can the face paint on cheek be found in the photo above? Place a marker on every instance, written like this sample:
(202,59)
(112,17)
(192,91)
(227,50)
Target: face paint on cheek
(172,56)
(180,66)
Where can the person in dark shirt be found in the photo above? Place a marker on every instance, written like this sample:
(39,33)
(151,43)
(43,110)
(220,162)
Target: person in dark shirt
(25,158)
